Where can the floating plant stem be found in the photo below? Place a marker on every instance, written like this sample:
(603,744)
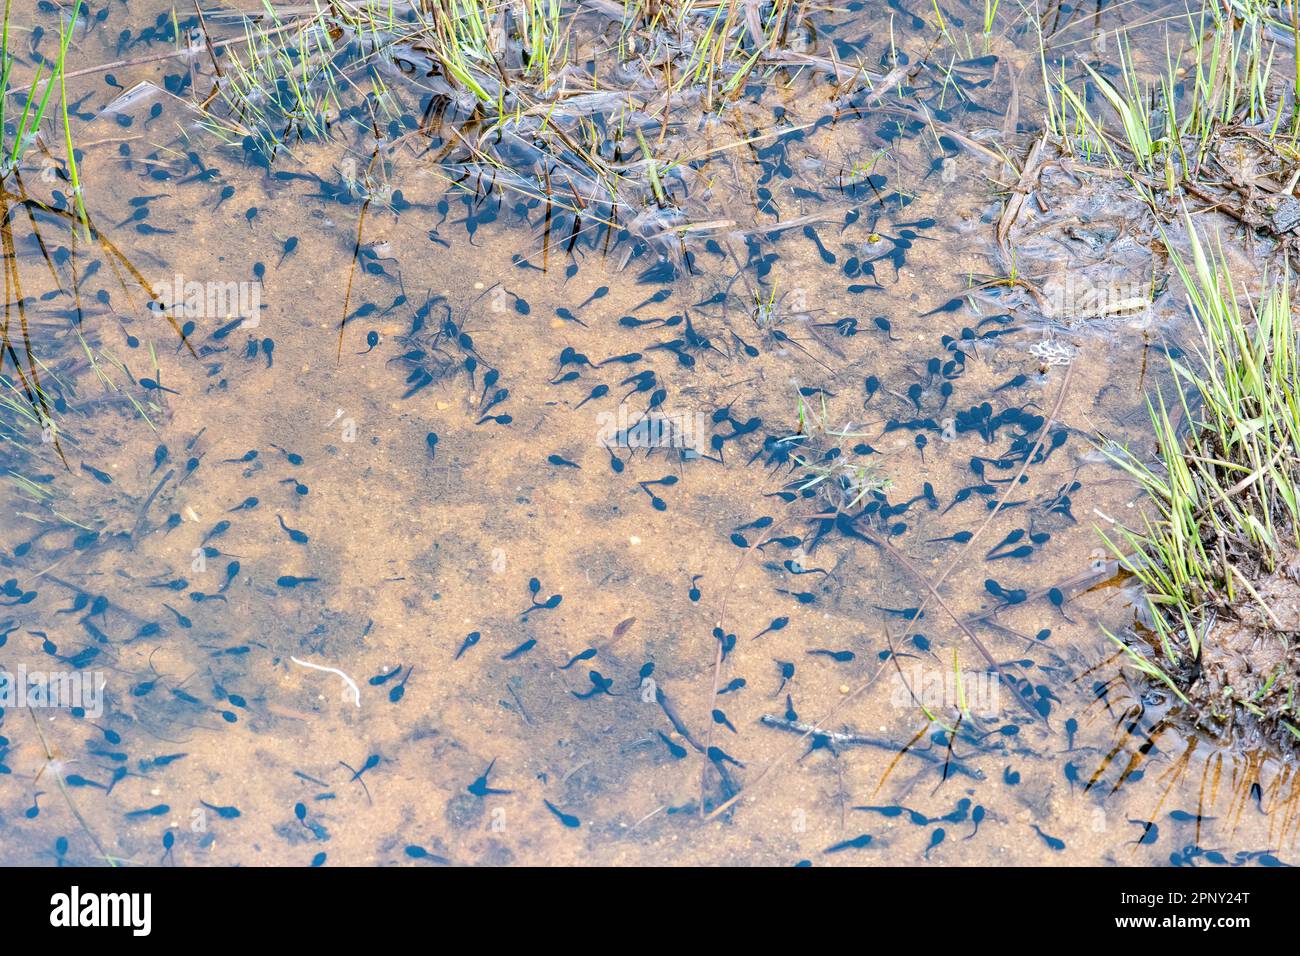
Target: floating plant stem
(64,39)
(660,196)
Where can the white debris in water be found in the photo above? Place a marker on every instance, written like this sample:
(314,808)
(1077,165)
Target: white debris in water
(1051,352)
(352,685)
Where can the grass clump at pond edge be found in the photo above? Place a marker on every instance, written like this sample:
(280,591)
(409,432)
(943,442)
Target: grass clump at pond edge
(1219,563)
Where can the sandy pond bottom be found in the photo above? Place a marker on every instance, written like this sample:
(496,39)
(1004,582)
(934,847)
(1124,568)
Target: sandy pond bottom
(362,547)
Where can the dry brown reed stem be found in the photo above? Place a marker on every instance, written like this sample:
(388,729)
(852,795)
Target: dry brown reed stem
(172,54)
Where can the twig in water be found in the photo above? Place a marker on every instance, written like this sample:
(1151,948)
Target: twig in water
(144,508)
(52,761)
(172,54)
(849,739)
(356,691)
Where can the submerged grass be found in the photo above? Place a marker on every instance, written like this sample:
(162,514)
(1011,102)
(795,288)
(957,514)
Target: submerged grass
(1226,490)
(1225,80)
(29,406)
(277,92)
(36,101)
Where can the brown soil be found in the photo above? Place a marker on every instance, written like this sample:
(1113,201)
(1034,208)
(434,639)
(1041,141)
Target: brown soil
(1254,657)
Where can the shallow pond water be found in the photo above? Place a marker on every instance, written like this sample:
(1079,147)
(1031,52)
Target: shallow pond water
(341,549)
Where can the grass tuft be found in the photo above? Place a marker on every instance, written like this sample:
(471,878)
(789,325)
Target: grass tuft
(1226,489)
